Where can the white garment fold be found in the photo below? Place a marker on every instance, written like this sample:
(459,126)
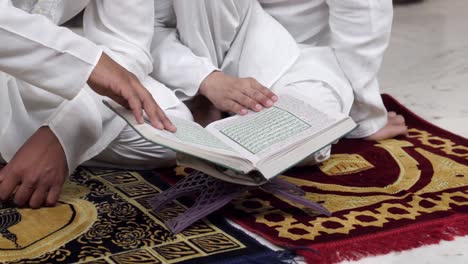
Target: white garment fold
(39,52)
(358,33)
(349,38)
(182,67)
(244,41)
(83,125)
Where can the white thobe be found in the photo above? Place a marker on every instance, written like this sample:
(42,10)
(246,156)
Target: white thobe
(358,32)
(241,39)
(183,67)
(341,43)
(36,53)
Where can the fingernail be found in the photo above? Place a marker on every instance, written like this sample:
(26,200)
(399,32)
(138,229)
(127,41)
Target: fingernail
(243,111)
(274,98)
(159,126)
(269,103)
(258,107)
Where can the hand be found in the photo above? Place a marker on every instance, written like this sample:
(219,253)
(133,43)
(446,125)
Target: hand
(36,173)
(112,80)
(236,94)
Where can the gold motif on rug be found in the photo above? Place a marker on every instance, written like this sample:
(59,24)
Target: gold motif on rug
(27,233)
(447,175)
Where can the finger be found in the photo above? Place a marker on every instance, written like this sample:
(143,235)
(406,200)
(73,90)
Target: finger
(168,125)
(23,194)
(233,106)
(264,90)
(38,198)
(253,91)
(135,105)
(155,114)
(246,101)
(151,108)
(164,120)
(259,98)
(8,185)
(53,195)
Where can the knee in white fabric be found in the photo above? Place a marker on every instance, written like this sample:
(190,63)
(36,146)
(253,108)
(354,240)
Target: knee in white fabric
(316,93)
(130,151)
(181,111)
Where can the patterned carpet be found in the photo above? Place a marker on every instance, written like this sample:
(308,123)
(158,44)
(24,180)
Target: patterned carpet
(103,217)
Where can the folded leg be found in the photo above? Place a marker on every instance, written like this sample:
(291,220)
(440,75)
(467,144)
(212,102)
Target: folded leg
(130,151)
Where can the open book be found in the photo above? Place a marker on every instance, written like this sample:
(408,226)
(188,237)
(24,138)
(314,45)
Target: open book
(249,149)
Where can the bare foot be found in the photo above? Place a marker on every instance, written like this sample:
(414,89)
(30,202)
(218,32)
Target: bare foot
(395,127)
(203,111)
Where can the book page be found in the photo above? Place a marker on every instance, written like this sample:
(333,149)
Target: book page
(190,138)
(258,135)
(192,133)
(271,126)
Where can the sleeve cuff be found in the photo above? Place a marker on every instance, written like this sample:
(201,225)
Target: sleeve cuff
(77,128)
(194,79)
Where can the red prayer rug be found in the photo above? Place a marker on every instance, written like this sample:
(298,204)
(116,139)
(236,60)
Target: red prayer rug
(385,196)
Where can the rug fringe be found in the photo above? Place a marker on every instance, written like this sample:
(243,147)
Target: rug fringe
(419,235)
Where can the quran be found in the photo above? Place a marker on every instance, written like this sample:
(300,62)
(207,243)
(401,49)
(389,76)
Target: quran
(249,149)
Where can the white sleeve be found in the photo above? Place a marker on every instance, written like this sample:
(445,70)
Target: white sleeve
(124,29)
(360,33)
(175,64)
(41,53)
